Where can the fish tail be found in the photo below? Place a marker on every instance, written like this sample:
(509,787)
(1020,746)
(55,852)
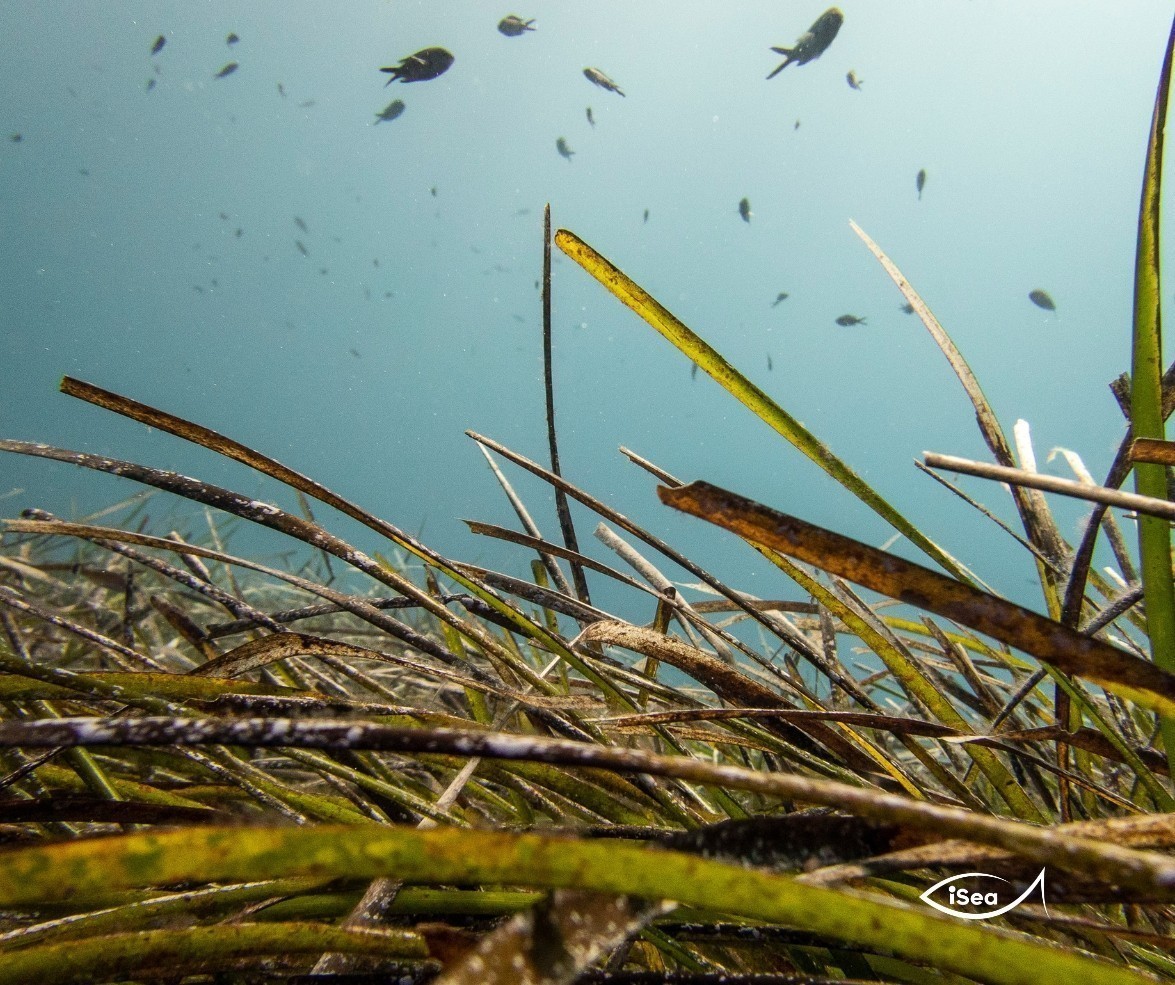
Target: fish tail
(787,52)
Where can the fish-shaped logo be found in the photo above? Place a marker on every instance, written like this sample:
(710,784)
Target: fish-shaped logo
(967,898)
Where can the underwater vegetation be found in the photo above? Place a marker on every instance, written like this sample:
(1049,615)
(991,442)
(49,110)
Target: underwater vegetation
(368,761)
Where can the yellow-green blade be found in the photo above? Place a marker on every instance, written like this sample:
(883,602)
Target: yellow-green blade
(743,390)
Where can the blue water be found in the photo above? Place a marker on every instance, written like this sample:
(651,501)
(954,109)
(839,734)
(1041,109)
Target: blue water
(117,266)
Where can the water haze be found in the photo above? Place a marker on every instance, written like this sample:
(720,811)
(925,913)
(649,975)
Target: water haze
(149,243)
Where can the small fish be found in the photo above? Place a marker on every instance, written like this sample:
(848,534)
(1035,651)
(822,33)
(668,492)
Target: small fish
(158,45)
(354,352)
(908,308)
(814,42)
(591,119)
(744,209)
(238,232)
(797,125)
(522,211)
(301,224)
(565,152)
(302,248)
(846,320)
(306,104)
(150,84)
(853,81)
(693,371)
(781,296)
(227,70)
(597,77)
(389,112)
(920,182)
(223,216)
(232,38)
(769,366)
(1042,300)
(281,90)
(513,26)
(425,64)
(433,191)
(646,215)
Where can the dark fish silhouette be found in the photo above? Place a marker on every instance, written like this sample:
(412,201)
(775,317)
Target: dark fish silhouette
(433,191)
(513,26)
(646,215)
(781,296)
(744,209)
(769,366)
(591,119)
(693,371)
(426,64)
(158,45)
(150,84)
(281,90)
(920,183)
(853,81)
(847,320)
(227,70)
(565,152)
(1042,300)
(16,138)
(301,224)
(232,38)
(597,77)
(389,112)
(302,248)
(908,308)
(814,42)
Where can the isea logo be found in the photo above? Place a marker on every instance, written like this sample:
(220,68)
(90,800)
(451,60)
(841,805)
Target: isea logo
(967,895)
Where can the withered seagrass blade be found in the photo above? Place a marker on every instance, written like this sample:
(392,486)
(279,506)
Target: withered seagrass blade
(1048,641)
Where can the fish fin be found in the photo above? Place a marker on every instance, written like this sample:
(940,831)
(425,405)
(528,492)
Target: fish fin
(782,51)
(786,62)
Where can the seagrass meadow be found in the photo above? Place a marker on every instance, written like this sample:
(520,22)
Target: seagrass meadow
(365,761)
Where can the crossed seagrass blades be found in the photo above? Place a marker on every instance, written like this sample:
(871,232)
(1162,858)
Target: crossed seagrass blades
(443,755)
